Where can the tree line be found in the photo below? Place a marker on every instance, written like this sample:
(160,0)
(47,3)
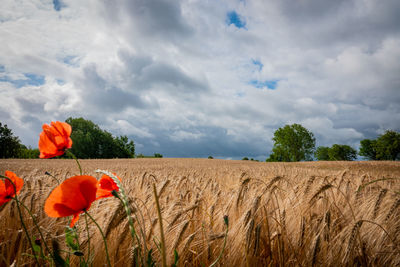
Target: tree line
(90,141)
(296,143)
(291,143)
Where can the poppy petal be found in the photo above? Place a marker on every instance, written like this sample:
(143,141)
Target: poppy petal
(62,127)
(54,139)
(18,182)
(2,187)
(60,210)
(74,220)
(74,195)
(88,190)
(46,146)
(3,193)
(106,186)
(101,193)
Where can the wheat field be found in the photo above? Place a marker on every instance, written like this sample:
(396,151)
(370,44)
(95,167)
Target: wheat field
(280,214)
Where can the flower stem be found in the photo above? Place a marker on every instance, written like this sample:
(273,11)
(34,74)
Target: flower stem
(102,235)
(88,237)
(124,200)
(226,221)
(130,221)
(21,219)
(76,159)
(163,254)
(35,223)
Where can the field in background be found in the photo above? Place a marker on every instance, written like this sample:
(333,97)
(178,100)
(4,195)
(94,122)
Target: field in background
(280,214)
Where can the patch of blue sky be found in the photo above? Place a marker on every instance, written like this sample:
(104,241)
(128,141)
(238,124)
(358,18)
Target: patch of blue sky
(240,94)
(71,61)
(270,84)
(60,82)
(58,5)
(31,79)
(258,64)
(233,18)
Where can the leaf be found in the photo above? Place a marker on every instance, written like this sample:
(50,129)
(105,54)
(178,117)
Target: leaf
(150,261)
(70,239)
(176,259)
(58,260)
(36,248)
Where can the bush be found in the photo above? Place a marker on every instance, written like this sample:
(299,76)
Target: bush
(385,147)
(336,152)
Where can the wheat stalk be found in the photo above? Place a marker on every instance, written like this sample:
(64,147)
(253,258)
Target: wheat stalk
(249,234)
(308,184)
(378,202)
(352,238)
(180,234)
(316,249)
(320,190)
(392,209)
(257,239)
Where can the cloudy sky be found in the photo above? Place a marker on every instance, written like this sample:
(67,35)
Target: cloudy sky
(193,78)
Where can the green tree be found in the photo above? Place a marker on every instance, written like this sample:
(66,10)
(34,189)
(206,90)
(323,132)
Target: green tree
(322,153)
(28,152)
(9,144)
(367,149)
(89,141)
(385,147)
(336,152)
(292,143)
(126,147)
(342,152)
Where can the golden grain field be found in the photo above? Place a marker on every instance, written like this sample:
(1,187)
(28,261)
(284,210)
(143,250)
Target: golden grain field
(280,214)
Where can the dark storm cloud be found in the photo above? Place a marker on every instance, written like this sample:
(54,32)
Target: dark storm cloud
(158,16)
(34,123)
(32,107)
(150,18)
(103,96)
(143,73)
(214,141)
(356,22)
(176,77)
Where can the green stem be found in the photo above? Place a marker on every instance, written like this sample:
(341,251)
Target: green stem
(102,235)
(77,161)
(123,198)
(88,237)
(35,223)
(224,245)
(21,219)
(163,254)
(130,221)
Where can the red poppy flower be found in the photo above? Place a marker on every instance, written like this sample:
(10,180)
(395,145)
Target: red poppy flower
(74,196)
(106,186)
(54,139)
(7,191)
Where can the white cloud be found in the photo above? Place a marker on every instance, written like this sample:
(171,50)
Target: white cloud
(175,77)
